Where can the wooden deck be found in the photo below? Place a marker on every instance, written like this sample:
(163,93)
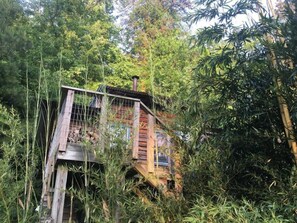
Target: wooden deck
(92,122)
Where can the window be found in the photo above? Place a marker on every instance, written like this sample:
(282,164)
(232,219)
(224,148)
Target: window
(162,149)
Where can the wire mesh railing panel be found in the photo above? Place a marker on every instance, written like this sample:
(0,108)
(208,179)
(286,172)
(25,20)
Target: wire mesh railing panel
(120,113)
(120,110)
(87,114)
(85,118)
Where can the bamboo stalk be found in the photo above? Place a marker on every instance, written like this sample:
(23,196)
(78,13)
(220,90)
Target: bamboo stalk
(284,110)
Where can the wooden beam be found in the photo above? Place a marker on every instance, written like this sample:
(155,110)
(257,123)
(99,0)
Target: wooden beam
(103,122)
(136,126)
(150,178)
(149,111)
(59,194)
(150,143)
(50,162)
(66,120)
(92,93)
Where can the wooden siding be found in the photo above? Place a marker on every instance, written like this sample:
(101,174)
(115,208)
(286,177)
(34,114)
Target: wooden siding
(142,151)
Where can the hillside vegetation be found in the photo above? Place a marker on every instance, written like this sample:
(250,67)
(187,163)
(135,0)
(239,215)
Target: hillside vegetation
(232,87)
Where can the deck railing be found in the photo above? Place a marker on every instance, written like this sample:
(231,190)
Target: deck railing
(95,117)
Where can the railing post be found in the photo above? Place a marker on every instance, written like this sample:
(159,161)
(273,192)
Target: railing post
(66,120)
(103,122)
(136,126)
(150,143)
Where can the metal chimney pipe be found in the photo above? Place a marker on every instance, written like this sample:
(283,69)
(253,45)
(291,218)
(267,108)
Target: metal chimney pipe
(135,82)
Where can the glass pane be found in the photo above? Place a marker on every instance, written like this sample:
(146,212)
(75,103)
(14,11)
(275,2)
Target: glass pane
(162,150)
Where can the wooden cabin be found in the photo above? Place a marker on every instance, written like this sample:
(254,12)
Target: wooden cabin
(93,119)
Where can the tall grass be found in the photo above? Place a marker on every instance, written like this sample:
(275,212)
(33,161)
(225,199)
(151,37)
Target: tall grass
(223,210)
(21,155)
(207,180)
(19,160)
(16,203)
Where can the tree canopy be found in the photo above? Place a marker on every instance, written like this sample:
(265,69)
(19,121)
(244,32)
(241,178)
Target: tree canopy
(228,85)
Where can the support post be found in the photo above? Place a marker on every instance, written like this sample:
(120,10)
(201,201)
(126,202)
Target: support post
(150,143)
(59,194)
(103,122)
(136,120)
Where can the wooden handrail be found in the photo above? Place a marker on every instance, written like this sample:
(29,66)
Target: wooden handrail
(149,111)
(66,120)
(90,92)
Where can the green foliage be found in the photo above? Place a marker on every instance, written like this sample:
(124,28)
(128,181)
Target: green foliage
(15,202)
(14,45)
(223,11)
(204,174)
(222,210)
(169,67)
(207,180)
(148,19)
(169,209)
(242,170)
(162,57)
(237,106)
(82,32)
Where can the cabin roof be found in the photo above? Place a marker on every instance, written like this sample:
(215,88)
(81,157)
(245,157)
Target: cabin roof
(146,98)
